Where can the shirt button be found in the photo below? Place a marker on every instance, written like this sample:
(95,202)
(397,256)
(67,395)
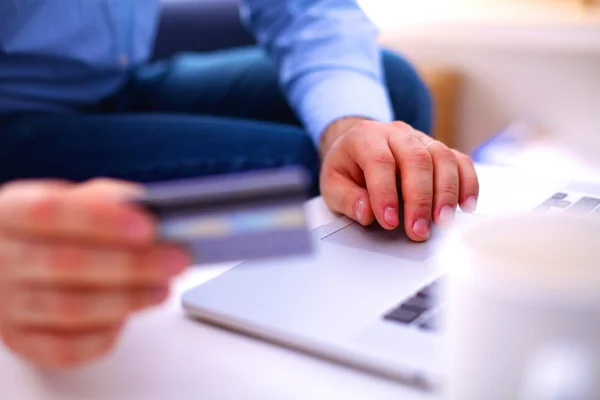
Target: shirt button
(123,60)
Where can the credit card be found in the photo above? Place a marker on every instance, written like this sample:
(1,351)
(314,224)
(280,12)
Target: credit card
(245,216)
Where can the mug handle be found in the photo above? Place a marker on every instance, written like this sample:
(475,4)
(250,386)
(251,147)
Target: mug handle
(561,371)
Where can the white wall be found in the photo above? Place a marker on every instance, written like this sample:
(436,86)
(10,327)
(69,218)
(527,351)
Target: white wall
(560,91)
(548,72)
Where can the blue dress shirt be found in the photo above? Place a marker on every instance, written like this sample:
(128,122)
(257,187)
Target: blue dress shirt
(62,55)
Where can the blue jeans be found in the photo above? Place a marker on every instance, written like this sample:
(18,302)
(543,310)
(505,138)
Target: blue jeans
(192,115)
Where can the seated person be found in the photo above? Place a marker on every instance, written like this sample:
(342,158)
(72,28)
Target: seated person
(79,99)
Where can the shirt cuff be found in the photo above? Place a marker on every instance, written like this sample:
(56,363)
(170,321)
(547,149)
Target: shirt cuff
(322,97)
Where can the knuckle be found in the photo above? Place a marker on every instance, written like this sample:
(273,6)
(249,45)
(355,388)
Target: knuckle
(446,155)
(463,158)
(328,173)
(101,190)
(357,133)
(365,124)
(450,188)
(387,194)
(421,158)
(383,158)
(106,186)
(422,200)
(403,126)
(20,192)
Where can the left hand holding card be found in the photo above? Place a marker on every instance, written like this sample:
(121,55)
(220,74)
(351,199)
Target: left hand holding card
(233,217)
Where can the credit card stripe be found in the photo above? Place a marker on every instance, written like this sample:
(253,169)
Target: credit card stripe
(202,227)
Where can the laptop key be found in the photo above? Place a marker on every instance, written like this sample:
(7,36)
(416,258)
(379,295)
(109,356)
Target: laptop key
(419,304)
(403,315)
(557,203)
(428,291)
(584,206)
(559,196)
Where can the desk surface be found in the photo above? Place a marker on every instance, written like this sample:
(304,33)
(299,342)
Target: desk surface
(164,355)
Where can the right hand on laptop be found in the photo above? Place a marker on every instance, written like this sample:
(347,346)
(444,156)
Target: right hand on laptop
(366,162)
(75,263)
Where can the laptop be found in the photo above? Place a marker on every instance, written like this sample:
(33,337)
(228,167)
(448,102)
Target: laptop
(366,298)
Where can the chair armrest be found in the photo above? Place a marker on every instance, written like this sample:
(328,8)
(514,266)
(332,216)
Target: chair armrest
(199,25)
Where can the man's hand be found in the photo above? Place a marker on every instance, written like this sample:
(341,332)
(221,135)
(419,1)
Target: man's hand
(366,163)
(75,263)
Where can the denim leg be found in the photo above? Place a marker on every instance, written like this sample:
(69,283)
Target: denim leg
(243,83)
(148,147)
(193,115)
(410,97)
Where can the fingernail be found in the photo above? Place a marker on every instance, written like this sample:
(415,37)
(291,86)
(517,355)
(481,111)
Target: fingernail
(421,229)
(137,228)
(360,207)
(391,216)
(447,215)
(176,261)
(470,205)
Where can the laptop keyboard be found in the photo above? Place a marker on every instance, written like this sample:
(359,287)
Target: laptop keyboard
(584,205)
(423,311)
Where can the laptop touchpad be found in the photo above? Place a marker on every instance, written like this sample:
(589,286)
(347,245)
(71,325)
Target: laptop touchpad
(392,243)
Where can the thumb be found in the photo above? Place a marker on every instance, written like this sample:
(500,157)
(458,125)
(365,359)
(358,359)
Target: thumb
(344,196)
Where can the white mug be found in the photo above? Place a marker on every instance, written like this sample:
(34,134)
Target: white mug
(523,311)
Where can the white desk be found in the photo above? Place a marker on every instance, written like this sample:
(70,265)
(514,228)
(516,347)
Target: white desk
(164,355)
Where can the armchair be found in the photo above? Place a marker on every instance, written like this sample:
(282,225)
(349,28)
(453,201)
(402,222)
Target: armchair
(199,25)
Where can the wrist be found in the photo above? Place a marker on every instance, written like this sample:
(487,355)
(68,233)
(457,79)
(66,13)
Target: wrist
(334,131)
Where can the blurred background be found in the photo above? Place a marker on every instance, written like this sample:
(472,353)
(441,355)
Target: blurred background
(515,81)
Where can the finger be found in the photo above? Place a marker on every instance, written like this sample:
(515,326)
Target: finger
(36,185)
(73,266)
(36,210)
(469,183)
(446,182)
(74,311)
(374,156)
(343,195)
(116,189)
(416,172)
(60,351)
